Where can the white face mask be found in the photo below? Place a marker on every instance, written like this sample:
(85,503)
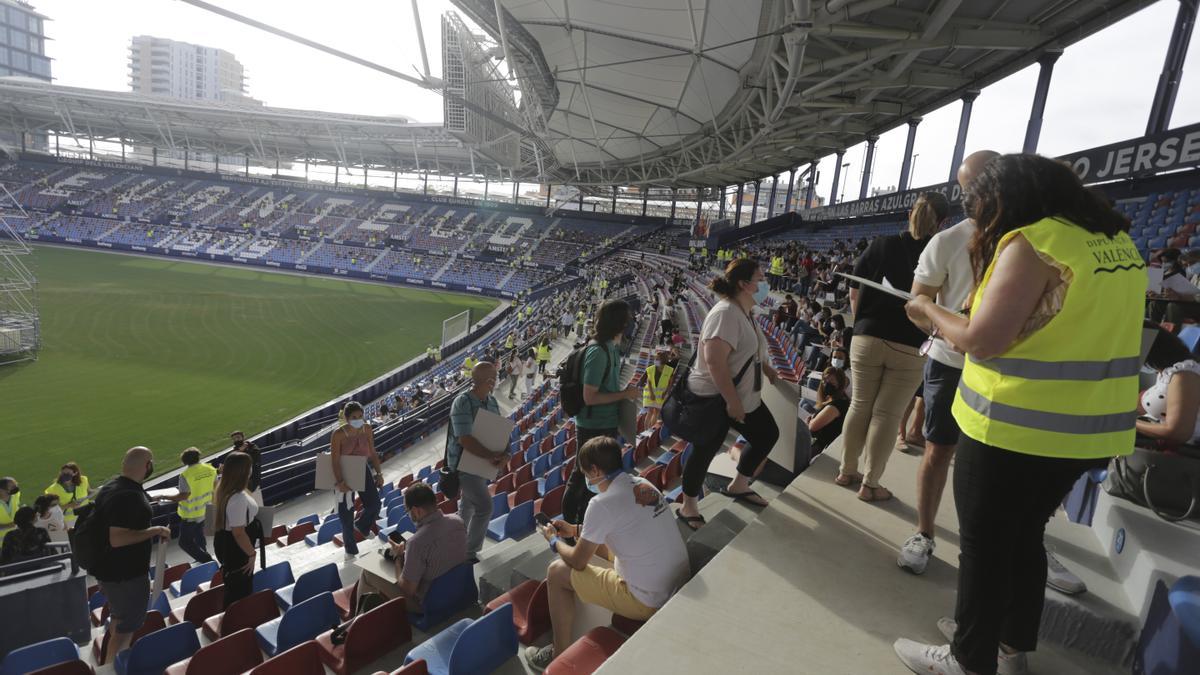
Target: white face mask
(357,424)
(838,363)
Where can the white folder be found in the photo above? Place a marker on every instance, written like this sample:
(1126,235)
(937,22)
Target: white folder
(354,472)
(492,431)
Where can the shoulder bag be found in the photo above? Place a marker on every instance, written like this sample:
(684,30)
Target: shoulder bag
(1167,483)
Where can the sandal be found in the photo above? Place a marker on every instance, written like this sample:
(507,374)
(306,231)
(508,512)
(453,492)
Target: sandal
(746,497)
(874,494)
(689,520)
(847,480)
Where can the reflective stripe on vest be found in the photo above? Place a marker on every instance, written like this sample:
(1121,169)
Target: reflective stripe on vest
(8,511)
(543,353)
(776,265)
(1067,389)
(200,478)
(79,492)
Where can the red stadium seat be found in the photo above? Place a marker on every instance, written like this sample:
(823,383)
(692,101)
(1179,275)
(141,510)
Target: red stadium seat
(276,533)
(201,606)
(507,483)
(303,659)
(154,621)
(528,491)
(235,653)
(248,612)
(298,533)
(551,504)
(523,475)
(370,636)
(531,609)
(346,600)
(66,668)
(588,653)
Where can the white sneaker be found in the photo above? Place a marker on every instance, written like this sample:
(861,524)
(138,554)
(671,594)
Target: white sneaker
(915,554)
(350,556)
(927,659)
(1016,663)
(1061,579)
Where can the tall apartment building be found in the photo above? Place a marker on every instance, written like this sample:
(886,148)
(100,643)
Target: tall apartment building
(181,70)
(23,41)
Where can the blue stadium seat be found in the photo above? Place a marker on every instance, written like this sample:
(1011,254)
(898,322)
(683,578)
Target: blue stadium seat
(311,518)
(39,655)
(1190,334)
(154,652)
(514,524)
(323,579)
(499,504)
(193,578)
(542,464)
(553,479)
(301,623)
(394,514)
(325,533)
(162,604)
(468,647)
(273,577)
(448,594)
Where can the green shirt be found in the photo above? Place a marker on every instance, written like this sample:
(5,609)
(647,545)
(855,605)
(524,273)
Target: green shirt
(601,416)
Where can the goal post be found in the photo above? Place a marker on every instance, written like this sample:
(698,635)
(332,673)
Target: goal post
(456,327)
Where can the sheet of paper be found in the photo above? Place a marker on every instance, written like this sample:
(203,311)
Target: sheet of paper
(478,466)
(354,472)
(1180,284)
(374,562)
(492,430)
(1154,274)
(903,295)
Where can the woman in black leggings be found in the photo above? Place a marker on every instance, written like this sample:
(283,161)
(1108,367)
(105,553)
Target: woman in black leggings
(731,364)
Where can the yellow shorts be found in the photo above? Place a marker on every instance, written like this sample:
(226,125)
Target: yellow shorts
(604,587)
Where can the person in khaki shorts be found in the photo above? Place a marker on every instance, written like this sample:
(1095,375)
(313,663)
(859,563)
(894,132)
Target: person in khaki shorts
(627,522)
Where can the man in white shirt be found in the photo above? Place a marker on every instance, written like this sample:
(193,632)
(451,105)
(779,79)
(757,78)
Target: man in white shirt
(639,535)
(943,273)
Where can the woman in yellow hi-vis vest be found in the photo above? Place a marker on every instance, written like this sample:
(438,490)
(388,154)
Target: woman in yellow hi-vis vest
(1049,390)
(72,489)
(654,392)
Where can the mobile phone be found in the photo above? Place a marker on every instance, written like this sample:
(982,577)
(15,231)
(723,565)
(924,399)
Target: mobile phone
(542,519)
(397,537)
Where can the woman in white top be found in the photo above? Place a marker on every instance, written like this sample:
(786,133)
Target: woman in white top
(1173,403)
(731,364)
(529,367)
(234,539)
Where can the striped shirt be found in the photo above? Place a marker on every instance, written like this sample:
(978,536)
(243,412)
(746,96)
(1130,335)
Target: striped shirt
(462,422)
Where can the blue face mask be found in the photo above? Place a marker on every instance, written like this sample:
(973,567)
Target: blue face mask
(595,489)
(761,293)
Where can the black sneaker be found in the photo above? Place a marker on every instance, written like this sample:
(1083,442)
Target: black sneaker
(539,658)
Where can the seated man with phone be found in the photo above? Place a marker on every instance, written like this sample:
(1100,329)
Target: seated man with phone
(639,536)
(439,544)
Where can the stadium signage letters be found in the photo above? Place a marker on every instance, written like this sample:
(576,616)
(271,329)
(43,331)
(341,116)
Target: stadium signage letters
(1166,151)
(438,284)
(475,288)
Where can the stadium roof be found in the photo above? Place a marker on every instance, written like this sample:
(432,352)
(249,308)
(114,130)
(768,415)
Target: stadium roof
(674,93)
(716,92)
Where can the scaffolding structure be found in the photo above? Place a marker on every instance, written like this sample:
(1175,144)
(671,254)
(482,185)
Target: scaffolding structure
(20,320)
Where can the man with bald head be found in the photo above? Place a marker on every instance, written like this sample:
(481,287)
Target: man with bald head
(943,273)
(121,505)
(474,502)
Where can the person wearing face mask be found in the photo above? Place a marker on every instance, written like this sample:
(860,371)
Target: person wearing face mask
(832,403)
(9,503)
(650,560)
(72,489)
(123,571)
(732,363)
(355,438)
(196,483)
(602,394)
(25,541)
(49,515)
(240,444)
(886,365)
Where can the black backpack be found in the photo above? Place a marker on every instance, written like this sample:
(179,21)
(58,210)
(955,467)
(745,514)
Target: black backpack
(570,379)
(89,539)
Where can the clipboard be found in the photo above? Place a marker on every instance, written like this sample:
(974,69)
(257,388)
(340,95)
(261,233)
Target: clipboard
(493,432)
(903,295)
(354,472)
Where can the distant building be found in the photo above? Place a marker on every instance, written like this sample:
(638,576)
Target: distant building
(162,67)
(23,41)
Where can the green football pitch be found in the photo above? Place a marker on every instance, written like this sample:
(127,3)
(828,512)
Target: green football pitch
(171,354)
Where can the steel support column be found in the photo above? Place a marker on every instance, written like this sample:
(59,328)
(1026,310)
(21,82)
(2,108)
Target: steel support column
(549,189)
(837,176)
(366,172)
(425,184)
(247,172)
(1034,130)
(395,180)
(906,164)
(185,159)
(645,200)
(485,188)
(960,142)
(614,200)
(868,164)
(217,163)
(672,203)
(754,207)
(699,205)
(337,174)
(721,204)
(737,218)
(455,185)
(812,185)
(771,203)
(787,198)
(1172,72)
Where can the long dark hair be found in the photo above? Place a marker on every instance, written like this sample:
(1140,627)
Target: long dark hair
(611,319)
(1016,190)
(737,271)
(1167,349)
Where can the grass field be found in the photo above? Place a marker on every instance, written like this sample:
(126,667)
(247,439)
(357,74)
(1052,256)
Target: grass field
(170,354)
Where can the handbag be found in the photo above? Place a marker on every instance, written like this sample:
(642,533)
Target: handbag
(1167,483)
(695,418)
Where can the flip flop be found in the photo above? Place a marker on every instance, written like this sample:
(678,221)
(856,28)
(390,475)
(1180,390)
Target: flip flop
(688,520)
(847,481)
(744,497)
(875,494)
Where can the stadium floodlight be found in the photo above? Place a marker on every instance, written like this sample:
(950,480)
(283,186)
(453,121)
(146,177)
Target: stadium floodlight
(455,327)
(20,322)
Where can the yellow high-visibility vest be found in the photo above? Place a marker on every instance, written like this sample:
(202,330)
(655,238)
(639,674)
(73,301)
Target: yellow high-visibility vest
(469,365)
(655,391)
(200,478)
(508,342)
(543,353)
(80,493)
(777,265)
(1070,388)
(8,511)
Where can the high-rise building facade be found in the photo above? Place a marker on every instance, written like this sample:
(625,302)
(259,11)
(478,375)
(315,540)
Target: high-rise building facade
(23,41)
(181,70)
